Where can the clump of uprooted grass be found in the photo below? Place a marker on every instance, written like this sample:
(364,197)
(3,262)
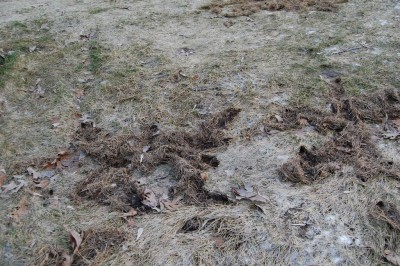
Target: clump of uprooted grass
(350,143)
(189,153)
(236,8)
(97,245)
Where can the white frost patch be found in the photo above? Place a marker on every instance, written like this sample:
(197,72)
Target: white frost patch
(311,32)
(331,219)
(383,22)
(345,240)
(336,260)
(397,7)
(283,158)
(376,51)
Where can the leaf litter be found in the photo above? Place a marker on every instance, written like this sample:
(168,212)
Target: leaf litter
(87,248)
(247,191)
(187,152)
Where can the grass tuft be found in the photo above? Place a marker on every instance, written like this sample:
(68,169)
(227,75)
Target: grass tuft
(6,64)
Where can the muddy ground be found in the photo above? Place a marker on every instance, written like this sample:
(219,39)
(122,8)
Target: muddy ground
(199,132)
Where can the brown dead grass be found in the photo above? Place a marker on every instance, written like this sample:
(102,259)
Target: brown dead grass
(189,153)
(350,142)
(388,213)
(236,8)
(97,245)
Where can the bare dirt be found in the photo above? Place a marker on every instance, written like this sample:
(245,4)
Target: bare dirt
(199,132)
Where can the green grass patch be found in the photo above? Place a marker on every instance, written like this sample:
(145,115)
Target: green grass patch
(6,64)
(18,24)
(96,57)
(98,10)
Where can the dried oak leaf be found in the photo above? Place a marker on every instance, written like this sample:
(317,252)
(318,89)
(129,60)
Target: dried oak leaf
(35,175)
(391,135)
(397,123)
(247,192)
(43,184)
(75,239)
(149,198)
(3,177)
(139,233)
(66,260)
(131,213)
(392,257)
(20,210)
(169,205)
(12,187)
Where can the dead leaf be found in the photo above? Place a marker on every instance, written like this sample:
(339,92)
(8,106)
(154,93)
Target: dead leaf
(43,184)
(397,123)
(149,198)
(247,192)
(35,175)
(204,176)
(169,205)
(3,177)
(146,149)
(12,187)
(131,222)
(139,233)
(79,93)
(75,239)
(38,89)
(303,122)
(131,213)
(392,257)
(218,241)
(21,209)
(65,158)
(391,135)
(34,193)
(66,260)
(279,118)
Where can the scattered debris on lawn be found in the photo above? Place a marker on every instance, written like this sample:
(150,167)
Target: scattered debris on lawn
(350,142)
(236,8)
(187,152)
(64,159)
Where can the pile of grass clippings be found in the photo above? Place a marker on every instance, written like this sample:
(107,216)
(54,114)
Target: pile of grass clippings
(236,8)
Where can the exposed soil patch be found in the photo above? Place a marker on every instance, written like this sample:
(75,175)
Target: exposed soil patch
(236,8)
(350,143)
(189,153)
